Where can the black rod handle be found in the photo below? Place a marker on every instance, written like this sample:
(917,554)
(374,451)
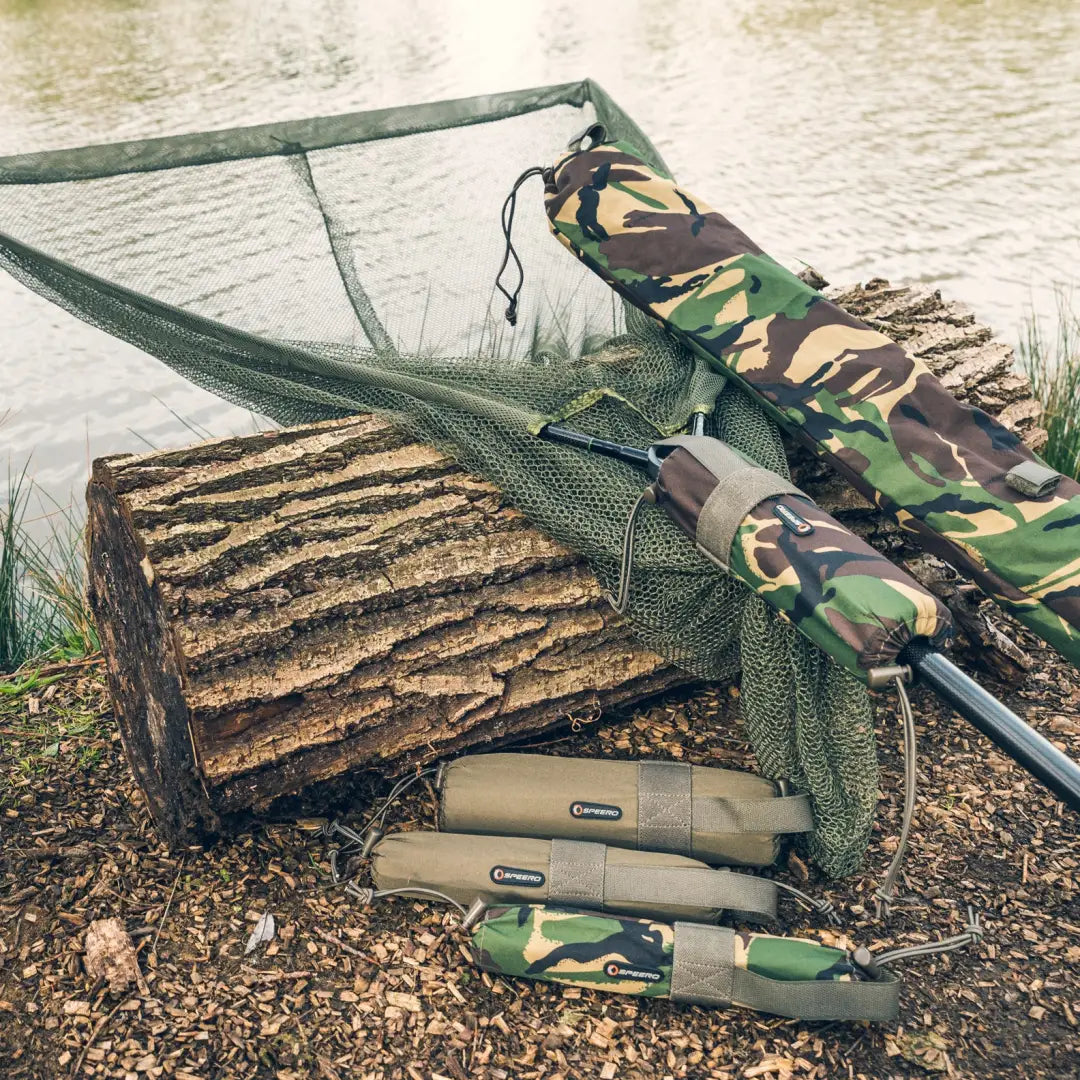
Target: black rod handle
(1029,749)
(630,454)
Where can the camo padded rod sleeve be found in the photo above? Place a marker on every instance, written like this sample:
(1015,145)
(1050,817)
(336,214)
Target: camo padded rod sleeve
(716,815)
(835,588)
(853,396)
(688,962)
(522,870)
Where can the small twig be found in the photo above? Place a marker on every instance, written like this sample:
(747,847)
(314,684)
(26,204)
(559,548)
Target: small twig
(94,1035)
(56,669)
(339,943)
(168,904)
(274,976)
(77,851)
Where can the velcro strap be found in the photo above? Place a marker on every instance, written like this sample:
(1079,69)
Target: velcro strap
(1032,478)
(691,887)
(702,964)
(665,807)
(784,814)
(740,486)
(576,873)
(703,972)
(669,815)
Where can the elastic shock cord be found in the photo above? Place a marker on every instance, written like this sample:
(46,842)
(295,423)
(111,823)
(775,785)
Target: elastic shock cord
(886,894)
(508,209)
(621,600)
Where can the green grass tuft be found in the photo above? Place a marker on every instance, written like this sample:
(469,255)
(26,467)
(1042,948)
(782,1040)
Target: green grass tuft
(1053,365)
(43,611)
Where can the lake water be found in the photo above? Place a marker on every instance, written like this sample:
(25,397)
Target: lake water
(917,140)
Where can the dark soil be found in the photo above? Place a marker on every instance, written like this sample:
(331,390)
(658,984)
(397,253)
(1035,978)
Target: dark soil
(386,993)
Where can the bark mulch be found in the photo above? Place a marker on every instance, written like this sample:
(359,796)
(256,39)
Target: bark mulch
(340,992)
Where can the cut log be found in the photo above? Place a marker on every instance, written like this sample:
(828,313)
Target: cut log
(279,608)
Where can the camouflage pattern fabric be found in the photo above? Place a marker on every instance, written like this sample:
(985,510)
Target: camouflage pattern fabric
(847,598)
(853,396)
(629,956)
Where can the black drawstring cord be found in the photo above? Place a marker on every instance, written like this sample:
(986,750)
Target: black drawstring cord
(507,224)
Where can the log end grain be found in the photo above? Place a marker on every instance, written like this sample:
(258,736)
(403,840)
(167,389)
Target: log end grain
(144,674)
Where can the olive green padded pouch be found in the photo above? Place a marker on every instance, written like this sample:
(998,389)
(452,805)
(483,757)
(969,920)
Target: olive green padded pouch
(716,815)
(516,869)
(687,962)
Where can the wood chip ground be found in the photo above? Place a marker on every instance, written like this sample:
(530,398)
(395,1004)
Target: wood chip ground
(341,993)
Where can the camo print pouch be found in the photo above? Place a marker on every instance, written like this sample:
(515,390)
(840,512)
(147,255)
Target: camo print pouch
(709,965)
(853,396)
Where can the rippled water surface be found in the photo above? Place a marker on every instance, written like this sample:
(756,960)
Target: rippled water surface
(930,141)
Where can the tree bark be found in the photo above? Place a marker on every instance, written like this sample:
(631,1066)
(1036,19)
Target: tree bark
(280,608)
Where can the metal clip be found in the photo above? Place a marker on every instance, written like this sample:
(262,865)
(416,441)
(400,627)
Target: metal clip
(353,842)
(864,960)
(336,876)
(330,829)
(477,910)
(880,677)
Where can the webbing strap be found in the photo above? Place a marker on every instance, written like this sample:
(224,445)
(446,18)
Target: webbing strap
(669,815)
(691,887)
(784,814)
(702,964)
(703,972)
(665,807)
(576,873)
(740,486)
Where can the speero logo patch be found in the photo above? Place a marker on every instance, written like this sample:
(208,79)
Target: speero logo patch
(514,875)
(597,811)
(613,969)
(792,521)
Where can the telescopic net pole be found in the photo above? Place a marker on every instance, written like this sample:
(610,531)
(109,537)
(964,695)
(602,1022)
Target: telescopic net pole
(1001,725)
(629,454)
(1029,749)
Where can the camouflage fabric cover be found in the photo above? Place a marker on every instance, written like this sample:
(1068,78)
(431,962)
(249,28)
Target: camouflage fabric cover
(849,393)
(847,598)
(631,956)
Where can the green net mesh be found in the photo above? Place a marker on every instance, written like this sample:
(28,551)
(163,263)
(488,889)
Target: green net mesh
(316,269)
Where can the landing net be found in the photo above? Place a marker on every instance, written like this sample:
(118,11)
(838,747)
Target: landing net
(316,269)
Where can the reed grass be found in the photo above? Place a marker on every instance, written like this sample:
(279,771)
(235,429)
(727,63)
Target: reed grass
(44,615)
(43,610)
(1052,362)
